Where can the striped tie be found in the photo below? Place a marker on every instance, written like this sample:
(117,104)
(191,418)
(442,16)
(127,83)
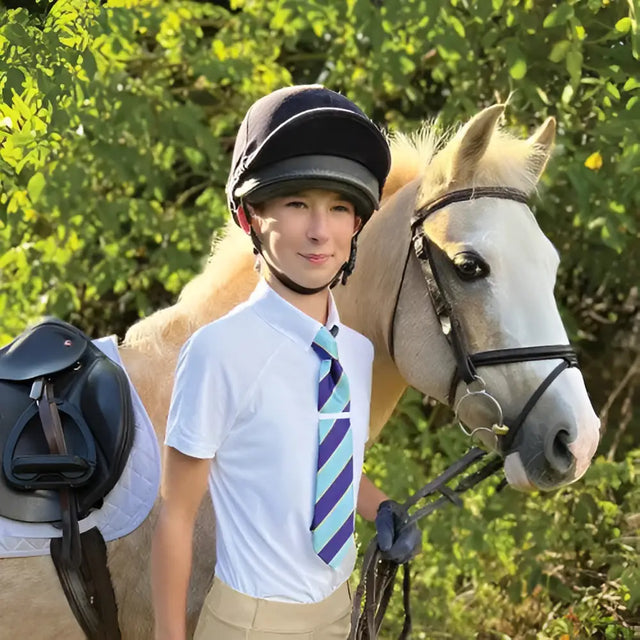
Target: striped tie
(333,517)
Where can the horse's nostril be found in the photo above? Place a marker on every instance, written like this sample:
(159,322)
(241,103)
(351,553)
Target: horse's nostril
(557,450)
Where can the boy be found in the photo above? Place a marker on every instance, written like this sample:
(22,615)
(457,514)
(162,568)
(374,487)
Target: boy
(271,402)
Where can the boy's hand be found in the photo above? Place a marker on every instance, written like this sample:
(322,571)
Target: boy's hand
(397,541)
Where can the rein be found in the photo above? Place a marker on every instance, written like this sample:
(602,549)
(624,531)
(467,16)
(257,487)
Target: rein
(378,575)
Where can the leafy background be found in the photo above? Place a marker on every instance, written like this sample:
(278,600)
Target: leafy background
(116,124)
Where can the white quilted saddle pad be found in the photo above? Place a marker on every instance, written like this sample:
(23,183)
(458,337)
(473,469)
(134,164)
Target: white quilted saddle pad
(125,507)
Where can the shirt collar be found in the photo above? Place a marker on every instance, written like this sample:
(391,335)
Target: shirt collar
(286,318)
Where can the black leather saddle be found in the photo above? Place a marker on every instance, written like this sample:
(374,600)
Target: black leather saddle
(66,423)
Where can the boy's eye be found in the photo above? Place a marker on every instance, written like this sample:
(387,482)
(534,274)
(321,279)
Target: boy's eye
(347,207)
(296,204)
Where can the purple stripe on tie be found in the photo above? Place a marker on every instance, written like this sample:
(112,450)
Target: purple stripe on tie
(332,440)
(332,495)
(327,384)
(321,352)
(336,543)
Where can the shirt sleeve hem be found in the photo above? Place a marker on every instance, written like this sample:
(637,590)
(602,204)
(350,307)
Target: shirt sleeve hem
(189,448)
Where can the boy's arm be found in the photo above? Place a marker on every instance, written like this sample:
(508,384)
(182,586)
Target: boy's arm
(369,499)
(397,541)
(184,483)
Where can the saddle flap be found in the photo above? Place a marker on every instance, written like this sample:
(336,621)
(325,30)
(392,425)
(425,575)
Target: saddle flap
(93,400)
(47,348)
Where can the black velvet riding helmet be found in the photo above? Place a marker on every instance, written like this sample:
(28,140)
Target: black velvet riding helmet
(306,137)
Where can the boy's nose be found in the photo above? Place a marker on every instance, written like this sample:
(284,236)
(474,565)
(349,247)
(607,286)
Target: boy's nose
(318,225)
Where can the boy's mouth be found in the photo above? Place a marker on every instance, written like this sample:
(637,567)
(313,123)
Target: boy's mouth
(316,258)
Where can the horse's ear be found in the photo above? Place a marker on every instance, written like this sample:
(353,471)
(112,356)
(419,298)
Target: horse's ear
(472,142)
(541,142)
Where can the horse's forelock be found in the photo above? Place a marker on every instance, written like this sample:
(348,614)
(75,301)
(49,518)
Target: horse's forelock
(507,162)
(410,156)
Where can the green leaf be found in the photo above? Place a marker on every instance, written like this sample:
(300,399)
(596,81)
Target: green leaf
(16,34)
(624,25)
(630,84)
(543,96)
(558,16)
(613,90)
(518,69)
(574,66)
(89,63)
(458,27)
(14,82)
(559,50)
(35,186)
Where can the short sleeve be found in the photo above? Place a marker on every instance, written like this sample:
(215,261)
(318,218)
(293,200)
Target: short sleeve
(202,403)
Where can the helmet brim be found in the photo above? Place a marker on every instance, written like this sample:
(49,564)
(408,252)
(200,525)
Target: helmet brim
(341,175)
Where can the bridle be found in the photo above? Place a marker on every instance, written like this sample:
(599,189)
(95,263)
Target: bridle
(467,364)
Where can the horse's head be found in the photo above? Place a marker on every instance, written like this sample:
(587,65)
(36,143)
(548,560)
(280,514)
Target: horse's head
(473,321)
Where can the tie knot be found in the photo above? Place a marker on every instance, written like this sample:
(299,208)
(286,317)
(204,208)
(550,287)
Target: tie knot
(325,345)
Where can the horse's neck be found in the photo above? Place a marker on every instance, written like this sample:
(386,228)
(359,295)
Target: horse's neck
(368,301)
(386,389)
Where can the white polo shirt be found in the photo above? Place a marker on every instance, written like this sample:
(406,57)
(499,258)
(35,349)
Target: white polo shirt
(245,395)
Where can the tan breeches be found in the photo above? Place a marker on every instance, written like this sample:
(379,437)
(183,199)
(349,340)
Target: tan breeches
(230,615)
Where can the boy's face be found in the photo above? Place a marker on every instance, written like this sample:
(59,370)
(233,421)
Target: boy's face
(307,235)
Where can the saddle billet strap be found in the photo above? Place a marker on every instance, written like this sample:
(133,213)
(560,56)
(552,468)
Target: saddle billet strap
(52,427)
(88,587)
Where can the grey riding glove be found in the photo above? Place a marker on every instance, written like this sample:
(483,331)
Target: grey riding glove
(397,541)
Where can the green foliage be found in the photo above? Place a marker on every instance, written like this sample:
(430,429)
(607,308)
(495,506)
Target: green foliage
(509,565)
(117,120)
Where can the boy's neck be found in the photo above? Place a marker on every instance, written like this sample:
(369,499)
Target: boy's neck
(315,305)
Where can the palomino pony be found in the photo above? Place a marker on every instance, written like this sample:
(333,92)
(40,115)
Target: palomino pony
(498,271)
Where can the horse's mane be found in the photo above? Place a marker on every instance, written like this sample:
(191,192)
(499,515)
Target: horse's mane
(228,276)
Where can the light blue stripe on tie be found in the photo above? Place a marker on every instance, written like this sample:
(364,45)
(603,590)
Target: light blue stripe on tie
(334,520)
(325,369)
(339,397)
(325,339)
(324,426)
(336,561)
(334,465)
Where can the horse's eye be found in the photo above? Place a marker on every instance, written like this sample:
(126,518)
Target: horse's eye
(470,266)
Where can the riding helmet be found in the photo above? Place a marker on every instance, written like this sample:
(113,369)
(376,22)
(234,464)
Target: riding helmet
(314,138)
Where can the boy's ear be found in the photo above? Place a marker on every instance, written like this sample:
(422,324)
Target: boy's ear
(243,220)
(357,224)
